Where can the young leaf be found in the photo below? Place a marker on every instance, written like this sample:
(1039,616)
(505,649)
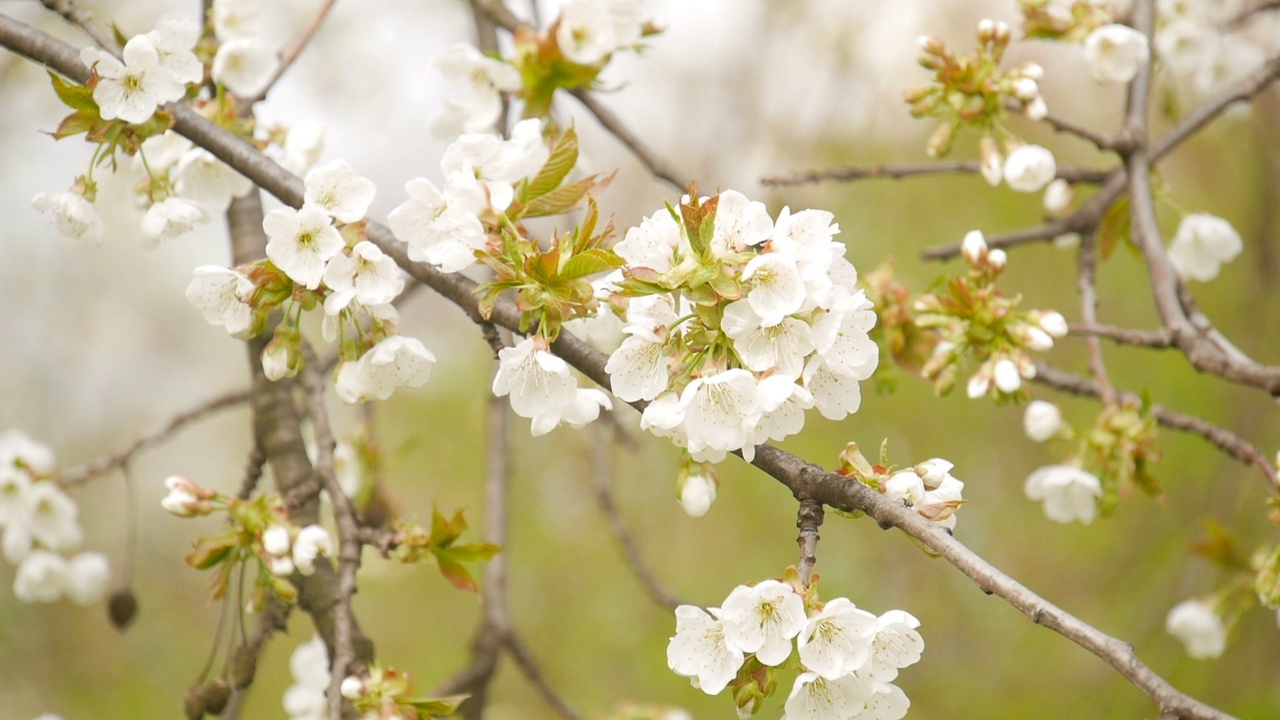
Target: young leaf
(564,155)
(76,97)
(590,262)
(559,200)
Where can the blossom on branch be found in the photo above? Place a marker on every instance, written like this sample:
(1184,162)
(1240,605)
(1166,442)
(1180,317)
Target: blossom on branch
(1068,492)
(1115,53)
(301,242)
(222,295)
(1202,244)
(132,90)
(71,214)
(700,650)
(1199,627)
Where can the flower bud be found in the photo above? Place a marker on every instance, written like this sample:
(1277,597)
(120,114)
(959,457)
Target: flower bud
(932,45)
(1007,378)
(934,471)
(352,688)
(997,259)
(244,665)
(275,540)
(1036,110)
(1001,34)
(1032,71)
(1058,196)
(122,608)
(979,383)
(697,492)
(1033,338)
(1042,420)
(1025,89)
(974,248)
(193,703)
(991,164)
(986,29)
(1053,323)
(1029,168)
(186,498)
(940,141)
(216,695)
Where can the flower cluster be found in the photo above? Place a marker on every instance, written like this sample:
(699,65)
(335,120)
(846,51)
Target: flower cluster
(259,530)
(738,323)
(244,63)
(1203,40)
(1198,626)
(381,694)
(541,387)
(846,658)
(1202,244)
(928,488)
(309,664)
(40,522)
(156,69)
(972,90)
(976,318)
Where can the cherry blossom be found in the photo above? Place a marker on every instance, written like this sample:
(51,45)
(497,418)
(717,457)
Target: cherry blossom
(1042,420)
(896,645)
(814,697)
(366,276)
(719,412)
(71,214)
(487,77)
(200,177)
(337,190)
(762,619)
(1029,168)
(41,577)
(173,39)
(590,30)
(48,517)
(837,641)
(536,381)
(394,362)
(1199,627)
(301,147)
(222,295)
(244,65)
(170,218)
(697,492)
(237,18)
(1201,245)
(86,578)
(309,665)
(1069,493)
(652,243)
(1115,53)
(440,228)
(132,90)
(312,541)
(301,242)
(701,650)
(491,166)
(19,450)
(638,368)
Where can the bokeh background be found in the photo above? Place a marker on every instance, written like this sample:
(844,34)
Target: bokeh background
(98,346)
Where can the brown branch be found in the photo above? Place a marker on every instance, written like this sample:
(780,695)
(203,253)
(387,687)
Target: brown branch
(344,661)
(290,54)
(808,518)
(1063,125)
(273,619)
(656,166)
(83,19)
(602,480)
(524,660)
(1155,339)
(1087,271)
(906,170)
(1225,440)
(109,462)
(799,477)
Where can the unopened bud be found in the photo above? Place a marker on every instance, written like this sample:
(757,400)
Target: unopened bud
(1007,377)
(932,45)
(1058,196)
(991,164)
(193,703)
(915,94)
(1053,323)
(1001,34)
(940,141)
(1031,71)
(121,608)
(1036,110)
(1026,89)
(986,29)
(997,259)
(1033,338)
(216,695)
(352,688)
(974,248)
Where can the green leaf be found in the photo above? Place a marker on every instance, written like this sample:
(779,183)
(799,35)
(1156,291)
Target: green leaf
(560,200)
(74,124)
(1114,228)
(445,530)
(76,97)
(564,155)
(432,706)
(457,575)
(471,553)
(590,262)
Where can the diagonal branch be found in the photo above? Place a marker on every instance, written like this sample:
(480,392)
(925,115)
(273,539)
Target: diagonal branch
(290,54)
(802,479)
(906,170)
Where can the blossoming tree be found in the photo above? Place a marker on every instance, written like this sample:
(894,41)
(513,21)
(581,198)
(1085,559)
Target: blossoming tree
(728,326)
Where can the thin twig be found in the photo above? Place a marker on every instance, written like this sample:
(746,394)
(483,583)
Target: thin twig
(906,170)
(1225,440)
(602,480)
(106,463)
(344,661)
(524,660)
(1155,339)
(1061,124)
(290,54)
(656,166)
(799,477)
(84,20)
(1087,265)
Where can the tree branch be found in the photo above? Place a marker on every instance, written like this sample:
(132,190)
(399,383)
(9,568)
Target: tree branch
(290,54)
(808,518)
(906,170)
(1155,339)
(658,167)
(800,478)
(1087,270)
(83,20)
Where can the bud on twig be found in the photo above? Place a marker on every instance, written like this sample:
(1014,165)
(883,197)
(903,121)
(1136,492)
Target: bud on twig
(122,608)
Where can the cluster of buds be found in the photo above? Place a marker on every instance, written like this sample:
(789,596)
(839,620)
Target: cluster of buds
(928,487)
(413,544)
(971,90)
(258,530)
(1069,20)
(378,695)
(1121,446)
(974,318)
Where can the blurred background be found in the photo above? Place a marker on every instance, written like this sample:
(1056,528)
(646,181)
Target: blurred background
(99,346)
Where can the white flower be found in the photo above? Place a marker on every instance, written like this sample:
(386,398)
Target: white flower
(762,619)
(275,539)
(700,650)
(394,362)
(203,178)
(480,108)
(1195,623)
(979,383)
(173,40)
(301,242)
(997,259)
(697,492)
(222,294)
(896,645)
(17,449)
(132,90)
(1054,323)
(170,218)
(652,243)
(41,577)
(837,641)
(366,276)
(492,166)
(244,66)
(237,18)
(782,406)
(991,164)
(840,336)
(739,223)
(1068,492)
(536,381)
(1042,420)
(14,486)
(86,579)
(836,394)
(782,346)
(590,30)
(638,368)
(439,227)
(1202,244)
(776,290)
(352,688)
(1187,45)
(48,517)
(1058,196)
(888,703)
(337,190)
(719,414)
(311,542)
(814,697)
(309,664)
(1029,168)
(1115,53)
(301,148)
(584,408)
(71,215)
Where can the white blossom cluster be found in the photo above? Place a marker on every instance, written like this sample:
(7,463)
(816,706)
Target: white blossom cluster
(744,372)
(848,656)
(1026,168)
(589,31)
(929,489)
(156,69)
(286,548)
(1199,627)
(40,522)
(541,387)
(244,63)
(305,698)
(1202,245)
(1197,39)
